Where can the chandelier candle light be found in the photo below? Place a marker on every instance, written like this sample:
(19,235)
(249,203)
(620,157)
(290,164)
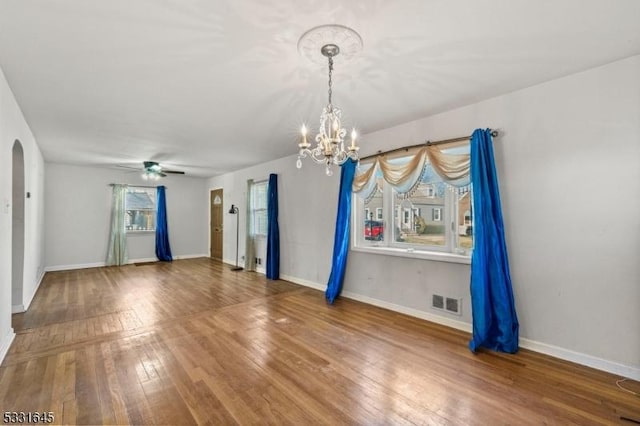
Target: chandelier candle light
(330,146)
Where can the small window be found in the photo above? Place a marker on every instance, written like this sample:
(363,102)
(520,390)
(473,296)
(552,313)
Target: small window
(258,208)
(379,213)
(140,209)
(430,191)
(436,214)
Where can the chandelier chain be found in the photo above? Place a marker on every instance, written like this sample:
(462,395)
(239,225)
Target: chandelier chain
(330,74)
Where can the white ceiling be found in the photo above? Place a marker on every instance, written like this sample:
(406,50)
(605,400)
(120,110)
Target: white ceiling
(215,86)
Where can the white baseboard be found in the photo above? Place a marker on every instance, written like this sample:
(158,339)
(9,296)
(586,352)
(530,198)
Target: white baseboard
(5,344)
(55,268)
(17,309)
(630,371)
(232,262)
(25,306)
(189,256)
(260,270)
(305,283)
(142,260)
(129,262)
(458,325)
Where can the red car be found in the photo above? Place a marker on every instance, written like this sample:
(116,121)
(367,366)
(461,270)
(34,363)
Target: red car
(373,230)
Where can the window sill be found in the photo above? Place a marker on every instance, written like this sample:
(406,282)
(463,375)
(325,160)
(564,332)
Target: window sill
(140,232)
(415,254)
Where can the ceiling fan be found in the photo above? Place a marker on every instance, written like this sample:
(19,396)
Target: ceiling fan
(153,170)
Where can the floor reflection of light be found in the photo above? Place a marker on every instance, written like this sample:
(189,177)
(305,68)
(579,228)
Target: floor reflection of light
(259,338)
(402,390)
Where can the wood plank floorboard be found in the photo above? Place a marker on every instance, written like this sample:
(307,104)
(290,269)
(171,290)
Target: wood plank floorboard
(192,342)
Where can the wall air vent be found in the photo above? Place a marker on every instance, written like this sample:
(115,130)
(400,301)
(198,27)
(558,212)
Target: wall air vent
(453,305)
(448,304)
(437,301)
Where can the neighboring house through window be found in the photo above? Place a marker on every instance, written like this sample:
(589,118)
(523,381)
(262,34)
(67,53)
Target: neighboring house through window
(140,209)
(432,217)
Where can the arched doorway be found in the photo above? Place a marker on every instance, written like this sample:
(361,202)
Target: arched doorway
(17,235)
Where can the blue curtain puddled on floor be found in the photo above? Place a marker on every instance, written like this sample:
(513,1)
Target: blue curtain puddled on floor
(341,241)
(495,324)
(273,231)
(163,249)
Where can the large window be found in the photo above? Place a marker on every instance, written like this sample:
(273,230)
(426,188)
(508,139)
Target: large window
(431,220)
(258,208)
(140,209)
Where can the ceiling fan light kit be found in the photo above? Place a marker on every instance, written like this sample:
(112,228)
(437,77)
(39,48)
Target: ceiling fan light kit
(153,171)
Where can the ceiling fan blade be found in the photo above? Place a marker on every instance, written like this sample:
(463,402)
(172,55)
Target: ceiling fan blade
(174,172)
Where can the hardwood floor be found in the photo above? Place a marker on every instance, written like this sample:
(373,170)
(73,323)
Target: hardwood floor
(192,342)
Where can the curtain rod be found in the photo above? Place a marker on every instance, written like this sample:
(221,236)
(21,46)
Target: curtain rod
(139,186)
(494,133)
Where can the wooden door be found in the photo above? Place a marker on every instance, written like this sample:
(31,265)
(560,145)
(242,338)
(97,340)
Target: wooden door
(217,215)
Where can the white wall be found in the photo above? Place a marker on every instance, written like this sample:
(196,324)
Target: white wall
(14,127)
(569,166)
(568,161)
(306,216)
(17,219)
(78,216)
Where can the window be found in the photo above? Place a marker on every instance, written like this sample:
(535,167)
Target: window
(429,191)
(140,209)
(372,230)
(431,220)
(436,214)
(258,208)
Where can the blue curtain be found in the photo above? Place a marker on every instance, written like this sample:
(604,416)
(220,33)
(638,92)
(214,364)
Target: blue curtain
(341,241)
(163,249)
(495,324)
(273,231)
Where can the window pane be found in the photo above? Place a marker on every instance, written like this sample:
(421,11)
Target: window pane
(261,222)
(373,228)
(421,213)
(258,208)
(464,218)
(140,209)
(260,195)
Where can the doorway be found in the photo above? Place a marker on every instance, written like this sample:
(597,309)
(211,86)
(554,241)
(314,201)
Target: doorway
(17,234)
(216,226)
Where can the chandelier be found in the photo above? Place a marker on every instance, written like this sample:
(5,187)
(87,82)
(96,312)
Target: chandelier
(330,143)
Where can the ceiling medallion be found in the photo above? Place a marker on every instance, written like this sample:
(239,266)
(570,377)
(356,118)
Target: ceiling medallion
(312,41)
